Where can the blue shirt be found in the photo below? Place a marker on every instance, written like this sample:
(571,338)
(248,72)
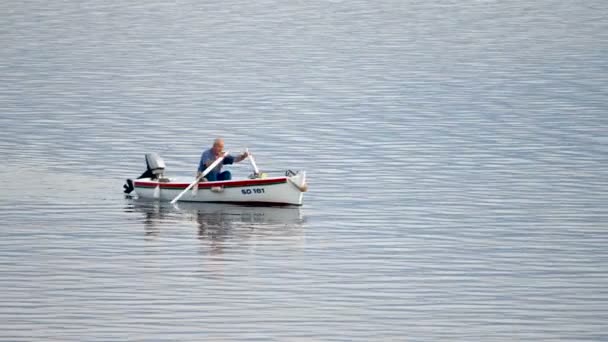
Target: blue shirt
(208,156)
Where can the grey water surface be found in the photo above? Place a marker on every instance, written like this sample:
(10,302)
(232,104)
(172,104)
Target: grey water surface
(456,151)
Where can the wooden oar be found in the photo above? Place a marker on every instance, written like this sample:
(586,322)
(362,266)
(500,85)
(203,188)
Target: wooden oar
(157,191)
(207,170)
(255,167)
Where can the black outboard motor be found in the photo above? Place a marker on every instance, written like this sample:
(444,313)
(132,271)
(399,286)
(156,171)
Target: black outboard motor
(155,168)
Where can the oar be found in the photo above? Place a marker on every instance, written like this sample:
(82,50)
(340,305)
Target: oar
(255,167)
(207,170)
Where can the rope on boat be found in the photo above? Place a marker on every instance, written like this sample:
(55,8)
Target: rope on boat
(302,188)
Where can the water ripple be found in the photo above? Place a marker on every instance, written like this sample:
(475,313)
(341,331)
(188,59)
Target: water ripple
(456,163)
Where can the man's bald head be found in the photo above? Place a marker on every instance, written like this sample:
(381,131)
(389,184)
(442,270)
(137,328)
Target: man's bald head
(218,145)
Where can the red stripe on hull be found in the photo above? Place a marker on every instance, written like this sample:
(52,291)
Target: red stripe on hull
(204,185)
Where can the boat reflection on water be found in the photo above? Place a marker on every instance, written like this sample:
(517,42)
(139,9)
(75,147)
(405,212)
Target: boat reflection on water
(219,222)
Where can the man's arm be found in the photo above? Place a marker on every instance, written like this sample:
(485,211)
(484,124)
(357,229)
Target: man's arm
(201,164)
(229,159)
(204,163)
(241,157)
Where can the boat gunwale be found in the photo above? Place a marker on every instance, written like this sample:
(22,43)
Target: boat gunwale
(228,184)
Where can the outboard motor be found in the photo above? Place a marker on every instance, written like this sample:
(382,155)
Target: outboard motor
(156,166)
(155,169)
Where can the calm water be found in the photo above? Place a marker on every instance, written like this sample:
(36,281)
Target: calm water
(457,157)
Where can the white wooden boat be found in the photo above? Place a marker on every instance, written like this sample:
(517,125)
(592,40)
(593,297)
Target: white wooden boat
(257,189)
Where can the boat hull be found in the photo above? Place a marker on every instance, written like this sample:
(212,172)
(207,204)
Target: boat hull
(277,190)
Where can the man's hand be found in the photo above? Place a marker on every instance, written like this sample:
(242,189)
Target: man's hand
(198,175)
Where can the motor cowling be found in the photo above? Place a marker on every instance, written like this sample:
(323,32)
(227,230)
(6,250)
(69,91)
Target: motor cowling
(156,165)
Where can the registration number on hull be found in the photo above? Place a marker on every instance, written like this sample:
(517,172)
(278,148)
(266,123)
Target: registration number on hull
(252,191)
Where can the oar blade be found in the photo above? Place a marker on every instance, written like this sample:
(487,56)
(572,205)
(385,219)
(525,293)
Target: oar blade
(157,191)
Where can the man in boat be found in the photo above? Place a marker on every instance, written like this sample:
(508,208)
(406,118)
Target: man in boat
(211,155)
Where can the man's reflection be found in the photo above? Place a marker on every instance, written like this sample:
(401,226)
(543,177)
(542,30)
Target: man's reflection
(213,227)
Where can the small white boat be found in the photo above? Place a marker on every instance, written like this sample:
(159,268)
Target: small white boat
(257,189)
